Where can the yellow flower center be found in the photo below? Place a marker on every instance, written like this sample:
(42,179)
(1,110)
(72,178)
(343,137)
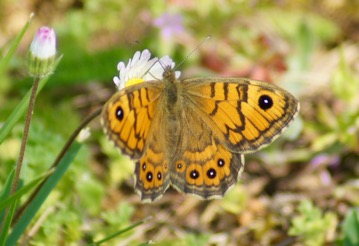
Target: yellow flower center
(134,81)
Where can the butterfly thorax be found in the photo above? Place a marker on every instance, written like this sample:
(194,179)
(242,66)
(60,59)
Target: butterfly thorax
(171,90)
(172,107)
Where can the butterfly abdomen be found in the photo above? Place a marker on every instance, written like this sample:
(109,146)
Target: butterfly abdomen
(171,128)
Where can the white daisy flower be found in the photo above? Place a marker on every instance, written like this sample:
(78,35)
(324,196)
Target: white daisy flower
(141,68)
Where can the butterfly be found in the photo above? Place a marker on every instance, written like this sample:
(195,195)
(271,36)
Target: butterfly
(193,134)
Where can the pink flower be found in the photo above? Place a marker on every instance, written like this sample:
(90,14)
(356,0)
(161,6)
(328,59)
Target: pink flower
(170,25)
(324,160)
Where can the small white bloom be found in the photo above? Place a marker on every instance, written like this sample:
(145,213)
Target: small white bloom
(42,52)
(141,68)
(84,134)
(43,45)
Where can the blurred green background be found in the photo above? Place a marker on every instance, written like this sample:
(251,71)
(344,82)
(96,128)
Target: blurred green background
(303,189)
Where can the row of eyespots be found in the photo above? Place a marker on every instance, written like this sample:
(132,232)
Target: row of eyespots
(149,174)
(211,173)
(180,167)
(195,176)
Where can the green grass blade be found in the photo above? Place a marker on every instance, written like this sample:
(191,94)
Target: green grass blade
(7,223)
(37,202)
(8,200)
(120,232)
(4,62)
(6,191)
(7,187)
(20,108)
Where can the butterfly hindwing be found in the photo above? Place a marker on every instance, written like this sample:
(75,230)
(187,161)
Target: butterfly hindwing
(152,176)
(201,166)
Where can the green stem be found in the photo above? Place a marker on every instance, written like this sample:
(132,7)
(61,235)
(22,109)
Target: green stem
(24,141)
(57,161)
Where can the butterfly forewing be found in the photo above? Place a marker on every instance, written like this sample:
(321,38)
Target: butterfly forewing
(127,117)
(245,115)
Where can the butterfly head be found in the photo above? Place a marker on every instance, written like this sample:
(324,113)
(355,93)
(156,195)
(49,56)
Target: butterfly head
(169,75)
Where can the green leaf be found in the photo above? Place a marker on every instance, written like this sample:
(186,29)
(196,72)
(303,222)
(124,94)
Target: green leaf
(45,190)
(4,62)
(6,224)
(7,187)
(5,192)
(344,81)
(311,225)
(197,239)
(11,199)
(351,228)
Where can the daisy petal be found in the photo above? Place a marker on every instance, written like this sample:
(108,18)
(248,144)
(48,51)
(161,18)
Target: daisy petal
(141,68)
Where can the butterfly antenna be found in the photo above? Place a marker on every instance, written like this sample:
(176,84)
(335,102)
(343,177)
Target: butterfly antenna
(160,62)
(192,51)
(148,70)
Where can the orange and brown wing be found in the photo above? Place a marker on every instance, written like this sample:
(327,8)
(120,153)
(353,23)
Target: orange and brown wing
(245,115)
(202,166)
(132,119)
(127,117)
(152,171)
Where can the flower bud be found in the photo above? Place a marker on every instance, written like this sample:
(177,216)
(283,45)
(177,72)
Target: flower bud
(42,52)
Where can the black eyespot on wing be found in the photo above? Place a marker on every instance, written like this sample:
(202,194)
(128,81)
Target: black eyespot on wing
(220,162)
(265,102)
(119,113)
(211,173)
(144,166)
(149,176)
(194,174)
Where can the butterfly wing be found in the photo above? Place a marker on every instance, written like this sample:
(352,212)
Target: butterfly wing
(152,169)
(127,117)
(132,119)
(202,166)
(245,115)
(222,119)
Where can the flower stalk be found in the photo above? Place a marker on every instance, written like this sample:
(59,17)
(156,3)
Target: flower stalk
(40,63)
(25,135)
